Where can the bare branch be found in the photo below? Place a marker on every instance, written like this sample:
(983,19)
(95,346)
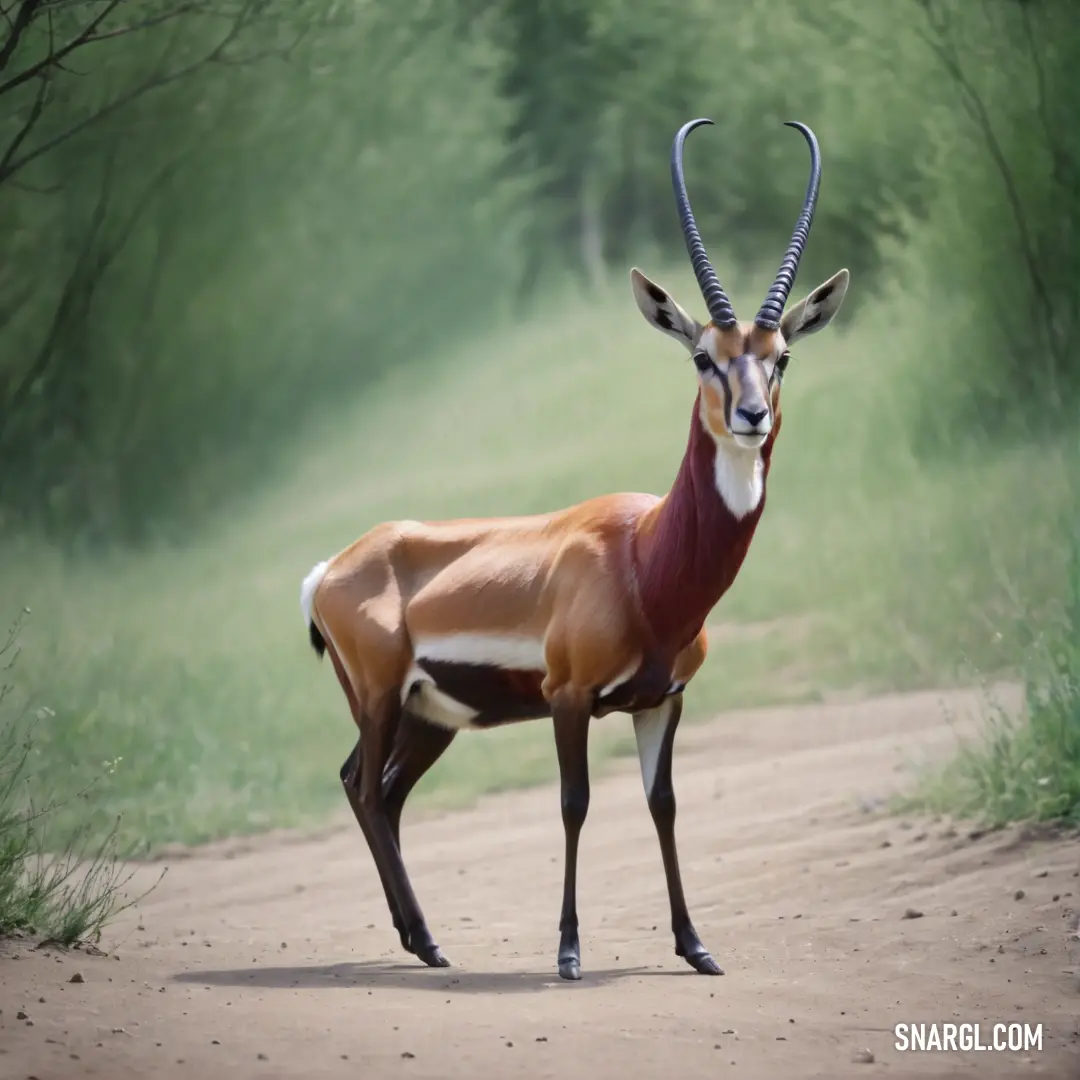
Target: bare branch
(35,110)
(19,25)
(12,635)
(282,52)
(32,118)
(165,236)
(92,33)
(56,55)
(151,21)
(243,11)
(156,81)
(64,308)
(37,189)
(1064,168)
(95,257)
(150,192)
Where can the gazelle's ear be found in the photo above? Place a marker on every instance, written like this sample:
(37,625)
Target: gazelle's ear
(816,311)
(662,312)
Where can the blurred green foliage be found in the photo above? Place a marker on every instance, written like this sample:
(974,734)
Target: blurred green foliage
(252,206)
(599,90)
(1003,249)
(219,216)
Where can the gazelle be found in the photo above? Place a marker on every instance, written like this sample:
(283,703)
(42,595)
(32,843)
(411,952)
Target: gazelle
(436,627)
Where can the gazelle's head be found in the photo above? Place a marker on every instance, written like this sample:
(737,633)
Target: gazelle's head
(741,365)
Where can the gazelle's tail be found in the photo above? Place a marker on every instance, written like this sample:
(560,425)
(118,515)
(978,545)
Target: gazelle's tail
(307,600)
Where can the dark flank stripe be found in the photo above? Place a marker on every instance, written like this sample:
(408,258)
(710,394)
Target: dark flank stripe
(498,695)
(505,696)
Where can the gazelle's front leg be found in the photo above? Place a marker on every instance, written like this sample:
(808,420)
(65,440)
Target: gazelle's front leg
(571,719)
(654,730)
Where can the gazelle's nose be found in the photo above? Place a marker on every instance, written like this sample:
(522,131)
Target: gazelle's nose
(752,416)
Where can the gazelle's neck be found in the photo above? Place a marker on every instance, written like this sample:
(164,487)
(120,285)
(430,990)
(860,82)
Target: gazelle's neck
(691,545)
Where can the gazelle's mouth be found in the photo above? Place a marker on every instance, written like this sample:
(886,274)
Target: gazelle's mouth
(749,440)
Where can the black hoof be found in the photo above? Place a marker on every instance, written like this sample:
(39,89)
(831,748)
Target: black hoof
(704,964)
(569,953)
(433,957)
(688,946)
(421,944)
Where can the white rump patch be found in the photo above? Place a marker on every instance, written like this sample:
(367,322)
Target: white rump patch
(740,479)
(649,729)
(307,589)
(516,651)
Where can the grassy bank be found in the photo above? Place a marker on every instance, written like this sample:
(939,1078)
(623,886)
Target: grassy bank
(872,568)
(1023,766)
(62,886)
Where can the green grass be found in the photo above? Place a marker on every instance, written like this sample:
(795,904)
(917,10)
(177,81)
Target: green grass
(63,891)
(873,568)
(1022,767)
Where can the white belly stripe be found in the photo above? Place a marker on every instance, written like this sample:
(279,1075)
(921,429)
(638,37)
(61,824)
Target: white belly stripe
(517,651)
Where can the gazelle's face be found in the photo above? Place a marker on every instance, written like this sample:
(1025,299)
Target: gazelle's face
(739,369)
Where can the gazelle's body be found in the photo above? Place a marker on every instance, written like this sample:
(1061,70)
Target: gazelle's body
(433,628)
(478,623)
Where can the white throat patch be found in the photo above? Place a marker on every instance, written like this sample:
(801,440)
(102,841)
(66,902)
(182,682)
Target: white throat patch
(740,478)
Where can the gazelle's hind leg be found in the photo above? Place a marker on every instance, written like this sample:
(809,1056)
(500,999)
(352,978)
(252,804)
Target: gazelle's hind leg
(360,615)
(417,746)
(378,729)
(350,781)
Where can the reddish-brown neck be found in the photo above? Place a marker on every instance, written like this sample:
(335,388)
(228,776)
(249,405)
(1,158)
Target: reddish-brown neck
(690,547)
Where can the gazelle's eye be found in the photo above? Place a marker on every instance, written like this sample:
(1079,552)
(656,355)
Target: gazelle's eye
(781,366)
(704,362)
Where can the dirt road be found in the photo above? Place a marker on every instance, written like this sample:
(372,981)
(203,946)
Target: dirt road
(277,959)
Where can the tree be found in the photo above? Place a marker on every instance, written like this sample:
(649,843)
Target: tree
(198,200)
(1011,65)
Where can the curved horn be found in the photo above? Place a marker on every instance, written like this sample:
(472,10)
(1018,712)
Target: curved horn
(715,298)
(768,318)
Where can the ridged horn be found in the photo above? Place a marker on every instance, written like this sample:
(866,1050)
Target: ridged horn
(720,309)
(768,318)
